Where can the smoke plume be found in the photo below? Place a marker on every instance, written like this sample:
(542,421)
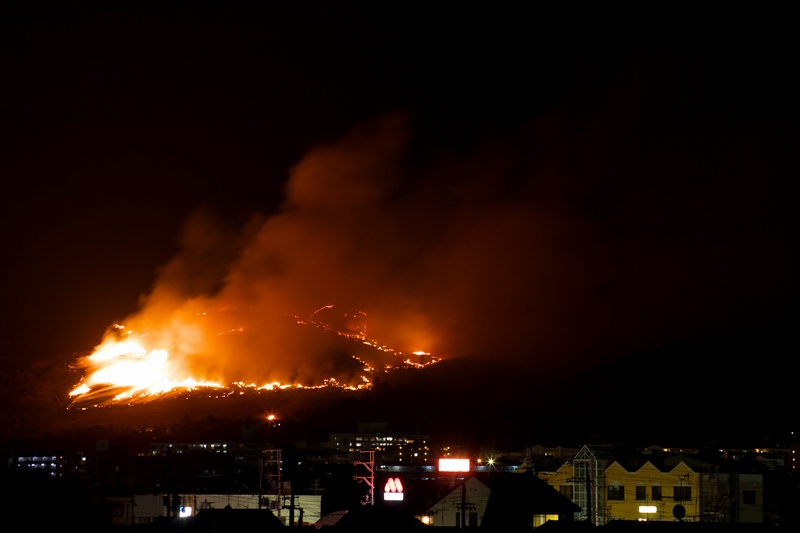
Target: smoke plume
(570,240)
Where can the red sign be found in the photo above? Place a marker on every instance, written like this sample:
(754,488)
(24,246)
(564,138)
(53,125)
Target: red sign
(393,490)
(393,485)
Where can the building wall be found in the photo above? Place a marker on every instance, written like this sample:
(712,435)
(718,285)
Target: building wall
(750,498)
(623,501)
(561,479)
(733,498)
(447,511)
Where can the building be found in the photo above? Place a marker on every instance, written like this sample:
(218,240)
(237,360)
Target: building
(53,464)
(389,448)
(501,500)
(729,491)
(660,487)
(651,493)
(589,482)
(561,478)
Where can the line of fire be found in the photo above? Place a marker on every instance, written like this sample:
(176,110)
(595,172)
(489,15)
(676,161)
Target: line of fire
(130,366)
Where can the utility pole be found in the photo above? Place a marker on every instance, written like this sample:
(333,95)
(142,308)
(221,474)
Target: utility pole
(464,502)
(292,508)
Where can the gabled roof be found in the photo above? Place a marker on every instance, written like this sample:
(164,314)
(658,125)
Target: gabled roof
(691,461)
(597,452)
(377,517)
(646,466)
(515,498)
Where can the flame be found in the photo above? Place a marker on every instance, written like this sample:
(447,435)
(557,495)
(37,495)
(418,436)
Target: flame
(122,364)
(128,367)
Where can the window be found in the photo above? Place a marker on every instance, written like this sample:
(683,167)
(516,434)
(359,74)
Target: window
(655,493)
(566,490)
(748,497)
(540,519)
(641,493)
(681,493)
(616,492)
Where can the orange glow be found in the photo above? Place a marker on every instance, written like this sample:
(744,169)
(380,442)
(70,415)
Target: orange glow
(124,368)
(128,367)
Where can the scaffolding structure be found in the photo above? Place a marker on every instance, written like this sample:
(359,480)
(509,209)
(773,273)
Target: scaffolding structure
(272,496)
(369,479)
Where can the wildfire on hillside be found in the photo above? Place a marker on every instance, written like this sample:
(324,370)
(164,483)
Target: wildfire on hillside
(129,366)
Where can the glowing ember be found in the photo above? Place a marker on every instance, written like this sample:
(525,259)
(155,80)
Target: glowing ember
(126,368)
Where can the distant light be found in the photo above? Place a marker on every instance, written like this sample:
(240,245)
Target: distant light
(648,509)
(454,465)
(185,512)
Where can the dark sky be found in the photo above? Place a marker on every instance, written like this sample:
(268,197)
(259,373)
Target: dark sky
(514,185)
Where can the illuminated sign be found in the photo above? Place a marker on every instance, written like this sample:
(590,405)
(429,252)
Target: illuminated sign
(393,490)
(455,465)
(648,509)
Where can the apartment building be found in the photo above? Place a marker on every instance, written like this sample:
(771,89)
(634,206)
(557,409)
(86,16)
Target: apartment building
(656,487)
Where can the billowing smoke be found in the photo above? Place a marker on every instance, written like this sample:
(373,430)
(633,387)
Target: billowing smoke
(578,237)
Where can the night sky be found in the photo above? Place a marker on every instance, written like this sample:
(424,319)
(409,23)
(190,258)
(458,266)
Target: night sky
(523,187)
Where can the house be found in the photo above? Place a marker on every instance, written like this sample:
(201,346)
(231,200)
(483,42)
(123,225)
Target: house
(372,518)
(502,500)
